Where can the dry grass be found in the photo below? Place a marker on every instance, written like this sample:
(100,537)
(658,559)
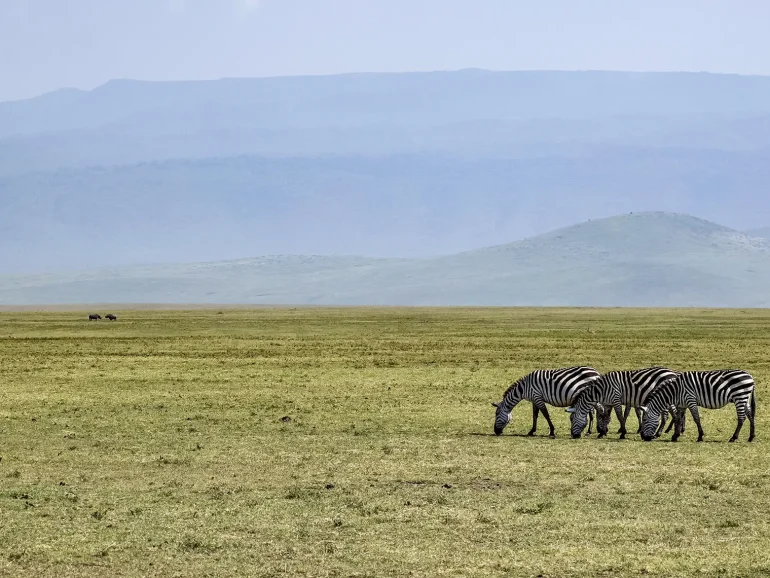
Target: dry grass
(357,442)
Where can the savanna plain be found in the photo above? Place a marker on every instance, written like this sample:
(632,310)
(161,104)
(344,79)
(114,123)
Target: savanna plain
(358,442)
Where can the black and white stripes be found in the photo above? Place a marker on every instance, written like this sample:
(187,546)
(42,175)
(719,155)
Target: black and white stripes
(707,389)
(655,391)
(557,387)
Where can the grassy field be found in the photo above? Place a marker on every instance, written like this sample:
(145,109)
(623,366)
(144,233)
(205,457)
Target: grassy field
(358,442)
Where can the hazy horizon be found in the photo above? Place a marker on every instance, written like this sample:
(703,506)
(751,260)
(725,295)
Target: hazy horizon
(87,43)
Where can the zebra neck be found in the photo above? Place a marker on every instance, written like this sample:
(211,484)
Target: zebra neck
(586,402)
(660,403)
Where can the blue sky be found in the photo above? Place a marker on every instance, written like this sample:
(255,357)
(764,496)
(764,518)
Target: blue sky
(49,44)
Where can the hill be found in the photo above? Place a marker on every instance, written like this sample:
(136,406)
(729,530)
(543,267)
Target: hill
(647,259)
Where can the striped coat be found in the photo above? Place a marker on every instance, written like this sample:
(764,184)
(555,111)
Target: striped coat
(708,389)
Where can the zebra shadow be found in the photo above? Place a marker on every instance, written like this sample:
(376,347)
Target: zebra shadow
(512,435)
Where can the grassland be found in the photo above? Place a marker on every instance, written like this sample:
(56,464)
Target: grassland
(357,442)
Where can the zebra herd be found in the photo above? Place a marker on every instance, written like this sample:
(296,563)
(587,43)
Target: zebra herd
(654,392)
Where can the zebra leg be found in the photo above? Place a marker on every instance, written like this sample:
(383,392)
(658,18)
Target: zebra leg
(663,419)
(590,421)
(741,411)
(680,417)
(674,419)
(677,428)
(535,411)
(622,419)
(625,417)
(696,419)
(548,419)
(752,411)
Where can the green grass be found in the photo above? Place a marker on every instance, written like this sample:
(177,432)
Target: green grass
(357,442)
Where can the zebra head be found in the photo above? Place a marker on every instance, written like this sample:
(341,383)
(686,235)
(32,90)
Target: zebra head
(502,417)
(651,415)
(579,415)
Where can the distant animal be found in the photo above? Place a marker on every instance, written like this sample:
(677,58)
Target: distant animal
(557,387)
(613,390)
(110,316)
(710,389)
(94,317)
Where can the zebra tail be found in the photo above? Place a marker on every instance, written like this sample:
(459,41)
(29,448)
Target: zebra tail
(753,405)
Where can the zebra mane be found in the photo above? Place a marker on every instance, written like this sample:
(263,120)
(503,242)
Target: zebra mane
(658,394)
(518,383)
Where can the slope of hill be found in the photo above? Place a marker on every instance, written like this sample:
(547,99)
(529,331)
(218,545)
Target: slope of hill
(646,259)
(763,232)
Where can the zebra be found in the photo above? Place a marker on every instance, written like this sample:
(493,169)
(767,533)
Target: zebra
(604,416)
(557,387)
(709,389)
(612,390)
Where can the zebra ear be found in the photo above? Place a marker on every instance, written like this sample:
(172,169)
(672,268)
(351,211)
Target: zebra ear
(495,405)
(570,409)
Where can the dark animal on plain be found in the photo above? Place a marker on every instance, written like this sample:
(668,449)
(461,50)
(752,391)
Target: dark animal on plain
(110,316)
(94,317)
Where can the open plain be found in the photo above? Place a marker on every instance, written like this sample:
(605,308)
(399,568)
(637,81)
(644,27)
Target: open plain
(358,442)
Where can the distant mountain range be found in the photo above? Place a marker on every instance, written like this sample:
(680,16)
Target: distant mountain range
(383,99)
(641,259)
(468,114)
(382,165)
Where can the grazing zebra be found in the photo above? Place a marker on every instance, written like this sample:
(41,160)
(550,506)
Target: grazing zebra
(557,387)
(709,389)
(614,389)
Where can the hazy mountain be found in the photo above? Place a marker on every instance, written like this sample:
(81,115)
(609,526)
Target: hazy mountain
(389,207)
(649,259)
(388,165)
(478,139)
